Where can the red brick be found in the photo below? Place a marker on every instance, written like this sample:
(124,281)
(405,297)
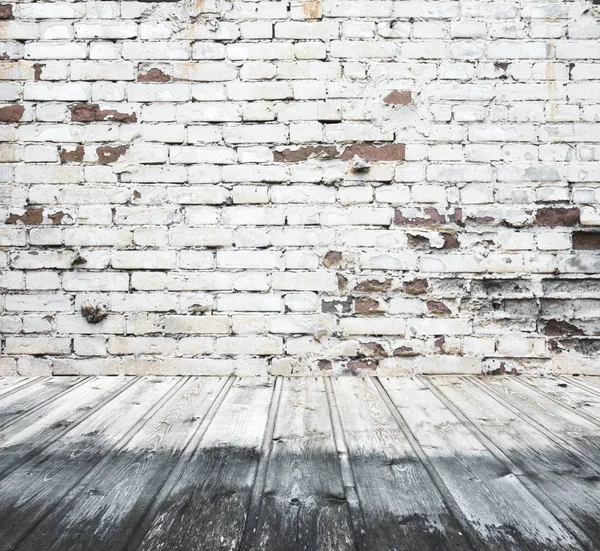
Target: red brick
(370,152)
(11,113)
(306,152)
(398,97)
(91,112)
(586,240)
(557,217)
(6,12)
(154,75)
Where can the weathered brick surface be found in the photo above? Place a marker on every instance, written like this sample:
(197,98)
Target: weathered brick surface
(299,187)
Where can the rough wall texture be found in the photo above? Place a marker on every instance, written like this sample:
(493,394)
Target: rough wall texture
(367,187)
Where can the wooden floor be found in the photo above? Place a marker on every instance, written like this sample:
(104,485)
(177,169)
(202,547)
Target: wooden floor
(201,463)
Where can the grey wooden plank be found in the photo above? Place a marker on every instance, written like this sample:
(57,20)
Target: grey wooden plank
(31,397)
(569,487)
(207,507)
(25,438)
(102,512)
(493,500)
(303,506)
(401,506)
(564,423)
(580,382)
(584,402)
(9,385)
(30,492)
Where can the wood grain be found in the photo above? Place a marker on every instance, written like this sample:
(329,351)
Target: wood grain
(303,506)
(493,500)
(102,513)
(30,492)
(401,506)
(207,507)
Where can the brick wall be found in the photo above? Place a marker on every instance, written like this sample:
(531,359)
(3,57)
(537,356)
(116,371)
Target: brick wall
(356,186)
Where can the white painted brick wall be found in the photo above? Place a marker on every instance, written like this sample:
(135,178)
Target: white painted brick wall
(367,187)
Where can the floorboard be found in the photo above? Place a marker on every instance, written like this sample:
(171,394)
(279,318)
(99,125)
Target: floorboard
(301,464)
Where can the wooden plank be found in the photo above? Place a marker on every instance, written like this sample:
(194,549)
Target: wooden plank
(30,492)
(207,506)
(493,500)
(25,438)
(28,398)
(571,488)
(303,504)
(12,384)
(584,402)
(102,512)
(549,415)
(401,506)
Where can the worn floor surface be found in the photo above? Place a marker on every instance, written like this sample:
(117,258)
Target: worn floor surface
(201,463)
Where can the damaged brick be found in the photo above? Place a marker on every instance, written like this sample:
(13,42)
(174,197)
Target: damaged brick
(11,113)
(404,351)
(366,306)
(373,286)
(32,216)
(559,328)
(331,259)
(429,216)
(415,287)
(358,365)
(554,217)
(336,306)
(437,307)
(370,152)
(305,153)
(57,217)
(72,155)
(154,75)
(586,240)
(37,71)
(324,365)
(110,154)
(6,12)
(372,349)
(91,112)
(398,97)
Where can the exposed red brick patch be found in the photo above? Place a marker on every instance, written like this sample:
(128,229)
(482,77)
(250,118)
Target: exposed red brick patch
(357,365)
(324,365)
(154,75)
(57,217)
(32,216)
(398,97)
(437,307)
(37,71)
(331,258)
(366,305)
(415,287)
(439,343)
(404,351)
(91,112)
(372,349)
(305,153)
(6,12)
(11,113)
(136,194)
(557,217)
(72,155)
(586,240)
(370,152)
(450,241)
(109,154)
(429,217)
(342,282)
(417,241)
(558,328)
(373,286)
(503,371)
